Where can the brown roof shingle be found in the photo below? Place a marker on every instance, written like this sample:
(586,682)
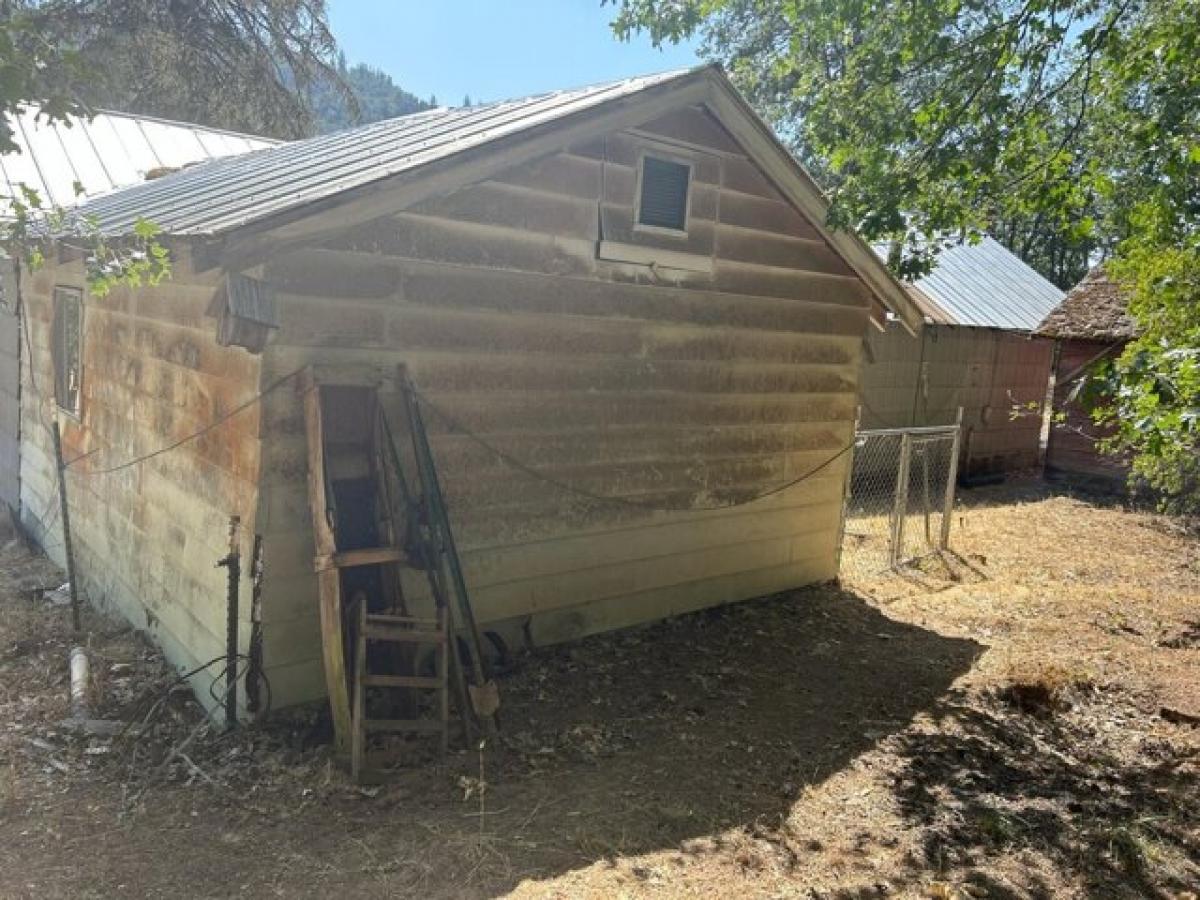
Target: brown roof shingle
(1095,309)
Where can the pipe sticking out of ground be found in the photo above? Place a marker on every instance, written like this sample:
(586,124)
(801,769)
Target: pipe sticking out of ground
(80,677)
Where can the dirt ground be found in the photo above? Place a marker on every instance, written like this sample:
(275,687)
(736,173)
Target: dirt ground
(1025,723)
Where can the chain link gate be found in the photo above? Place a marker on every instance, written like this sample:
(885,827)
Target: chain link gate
(900,496)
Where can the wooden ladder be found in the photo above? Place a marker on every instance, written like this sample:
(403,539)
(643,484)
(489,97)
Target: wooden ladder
(368,626)
(391,629)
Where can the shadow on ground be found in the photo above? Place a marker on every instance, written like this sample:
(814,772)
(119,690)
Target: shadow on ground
(989,780)
(617,745)
(629,743)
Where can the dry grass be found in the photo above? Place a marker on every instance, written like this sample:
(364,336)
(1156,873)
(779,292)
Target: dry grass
(989,726)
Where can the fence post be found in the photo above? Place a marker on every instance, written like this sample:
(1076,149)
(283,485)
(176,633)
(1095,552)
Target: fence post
(951,483)
(65,514)
(841,542)
(233,564)
(900,507)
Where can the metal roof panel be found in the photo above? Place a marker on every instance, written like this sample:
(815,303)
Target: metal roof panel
(225,194)
(108,151)
(987,285)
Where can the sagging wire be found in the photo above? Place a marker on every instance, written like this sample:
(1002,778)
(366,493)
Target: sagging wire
(220,420)
(455,426)
(160,695)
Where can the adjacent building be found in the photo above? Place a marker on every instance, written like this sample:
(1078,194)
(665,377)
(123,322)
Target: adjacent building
(1091,326)
(981,305)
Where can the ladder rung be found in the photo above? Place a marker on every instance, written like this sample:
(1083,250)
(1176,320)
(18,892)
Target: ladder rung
(388,633)
(369,556)
(402,681)
(416,726)
(384,619)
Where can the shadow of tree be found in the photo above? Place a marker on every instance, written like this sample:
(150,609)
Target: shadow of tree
(687,736)
(644,740)
(987,779)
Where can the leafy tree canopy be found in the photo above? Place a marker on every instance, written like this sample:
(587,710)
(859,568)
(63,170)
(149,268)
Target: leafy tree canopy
(239,64)
(1069,128)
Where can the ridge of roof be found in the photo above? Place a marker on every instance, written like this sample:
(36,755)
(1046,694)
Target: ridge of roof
(180,123)
(278,194)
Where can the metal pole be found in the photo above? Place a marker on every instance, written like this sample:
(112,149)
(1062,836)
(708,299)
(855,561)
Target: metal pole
(233,565)
(254,662)
(846,488)
(951,482)
(66,523)
(900,509)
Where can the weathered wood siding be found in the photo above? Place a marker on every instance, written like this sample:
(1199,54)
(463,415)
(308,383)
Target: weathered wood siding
(1071,454)
(704,380)
(923,380)
(10,393)
(146,537)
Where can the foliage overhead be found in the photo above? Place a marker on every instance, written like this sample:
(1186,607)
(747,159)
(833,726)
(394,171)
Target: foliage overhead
(245,65)
(239,64)
(1070,129)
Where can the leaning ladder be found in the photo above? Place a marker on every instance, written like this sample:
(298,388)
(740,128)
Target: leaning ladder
(350,628)
(440,553)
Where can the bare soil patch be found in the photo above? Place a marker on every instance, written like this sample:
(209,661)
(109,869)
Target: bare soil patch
(998,726)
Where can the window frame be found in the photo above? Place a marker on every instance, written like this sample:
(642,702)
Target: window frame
(57,349)
(675,158)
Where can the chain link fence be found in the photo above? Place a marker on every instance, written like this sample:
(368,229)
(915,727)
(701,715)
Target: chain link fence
(900,497)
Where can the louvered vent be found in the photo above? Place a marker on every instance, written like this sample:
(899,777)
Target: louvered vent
(664,194)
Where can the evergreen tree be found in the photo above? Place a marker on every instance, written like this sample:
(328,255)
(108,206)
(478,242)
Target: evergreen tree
(240,64)
(374,94)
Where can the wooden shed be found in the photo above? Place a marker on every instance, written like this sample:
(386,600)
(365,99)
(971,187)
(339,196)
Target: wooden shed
(1091,326)
(976,351)
(639,344)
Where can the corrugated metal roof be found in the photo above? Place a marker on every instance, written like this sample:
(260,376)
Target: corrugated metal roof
(111,150)
(984,285)
(229,193)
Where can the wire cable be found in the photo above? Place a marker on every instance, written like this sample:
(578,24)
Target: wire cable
(274,385)
(457,426)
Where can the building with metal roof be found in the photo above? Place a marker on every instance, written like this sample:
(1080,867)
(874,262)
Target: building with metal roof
(67,162)
(986,285)
(976,353)
(79,158)
(227,194)
(629,289)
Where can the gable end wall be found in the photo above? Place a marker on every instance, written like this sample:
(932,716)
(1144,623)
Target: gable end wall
(726,370)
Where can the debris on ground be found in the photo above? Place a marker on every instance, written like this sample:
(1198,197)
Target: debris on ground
(1022,729)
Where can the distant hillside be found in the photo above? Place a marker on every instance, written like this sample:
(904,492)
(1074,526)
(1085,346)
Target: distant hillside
(378,98)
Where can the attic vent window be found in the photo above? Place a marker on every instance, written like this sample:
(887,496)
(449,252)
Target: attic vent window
(664,199)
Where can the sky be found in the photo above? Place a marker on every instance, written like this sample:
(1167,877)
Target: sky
(493,49)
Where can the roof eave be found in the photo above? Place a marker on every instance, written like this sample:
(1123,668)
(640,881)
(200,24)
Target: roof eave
(794,181)
(248,242)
